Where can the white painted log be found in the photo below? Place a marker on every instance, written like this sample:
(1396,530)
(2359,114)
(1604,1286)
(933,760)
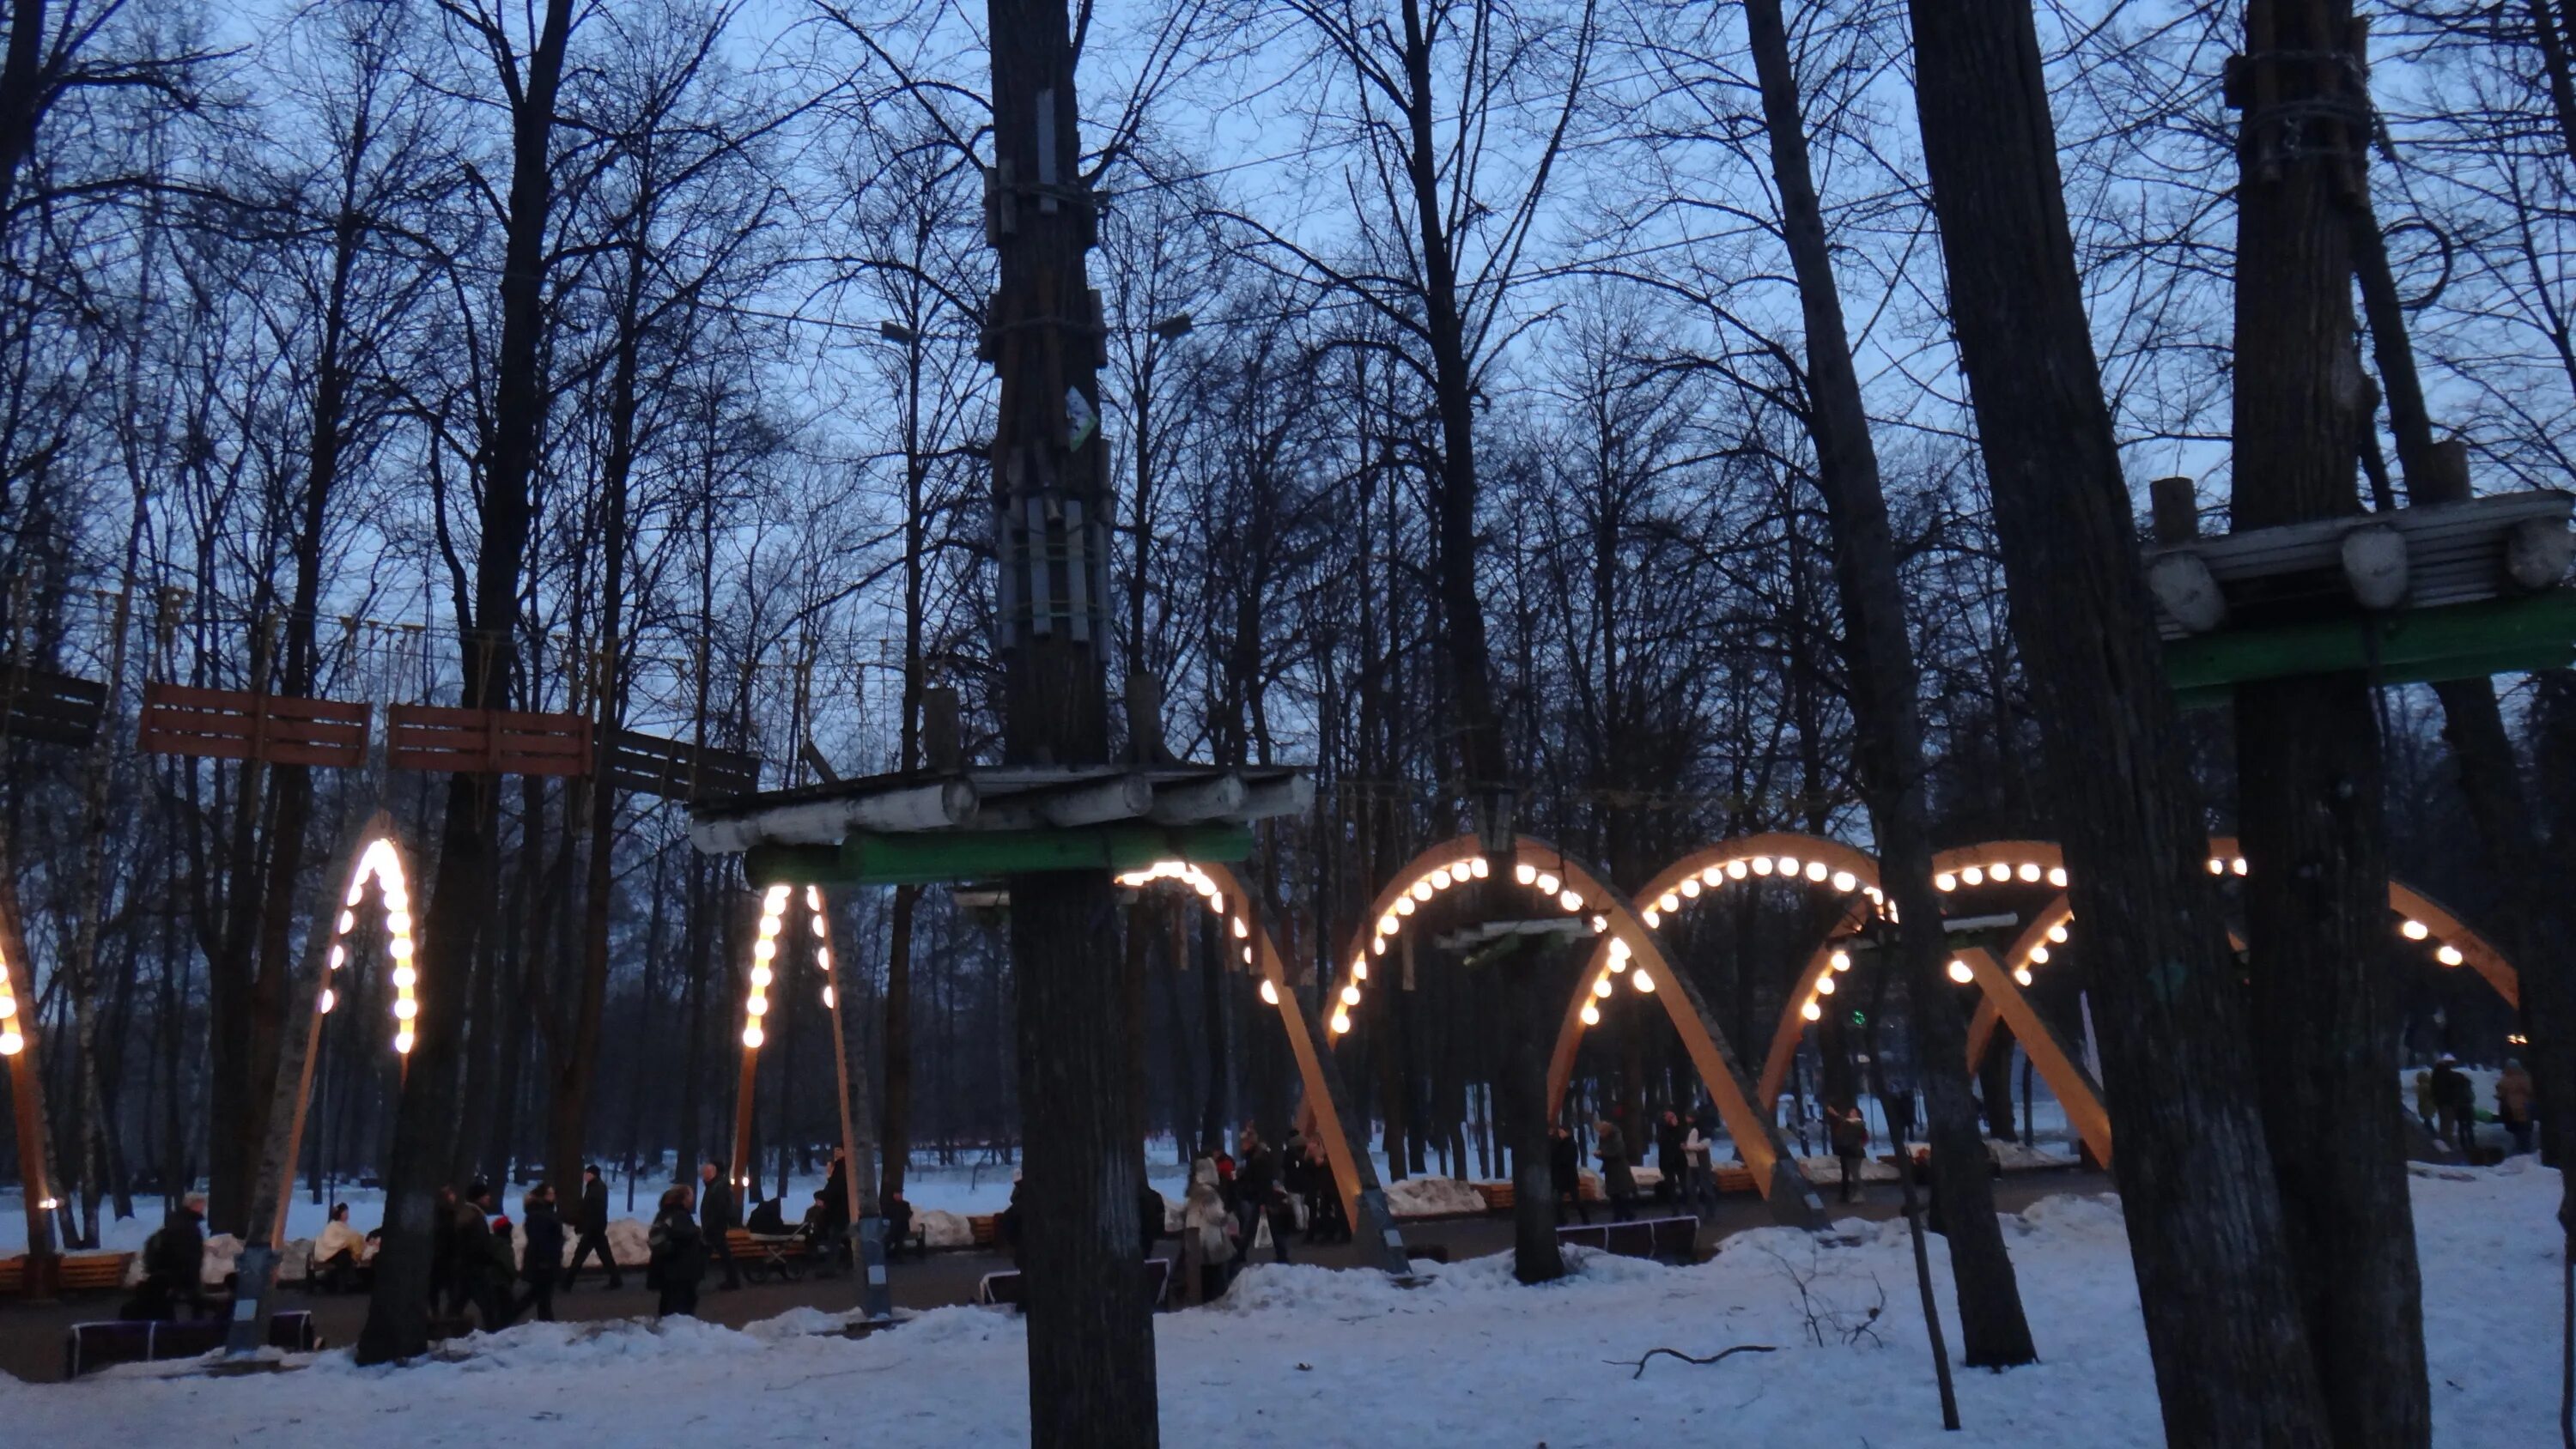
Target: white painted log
(2184,586)
(2374,566)
(2537,552)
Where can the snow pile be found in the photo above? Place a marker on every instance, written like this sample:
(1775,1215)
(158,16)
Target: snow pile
(1303,1356)
(1433,1197)
(943,1229)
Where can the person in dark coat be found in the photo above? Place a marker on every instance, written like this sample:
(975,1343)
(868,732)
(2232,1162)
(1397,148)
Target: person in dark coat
(1669,1136)
(2457,1100)
(1565,1171)
(174,1265)
(1012,1226)
(898,1224)
(542,1261)
(1849,1132)
(833,1233)
(715,1216)
(1149,1218)
(679,1254)
(483,1264)
(590,1220)
(1256,1193)
(446,1281)
(1326,1221)
(1618,1180)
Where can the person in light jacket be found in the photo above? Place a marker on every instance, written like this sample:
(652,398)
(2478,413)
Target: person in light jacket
(337,1251)
(1699,1185)
(1207,1230)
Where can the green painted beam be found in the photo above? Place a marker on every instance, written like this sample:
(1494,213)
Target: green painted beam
(2415,646)
(930,857)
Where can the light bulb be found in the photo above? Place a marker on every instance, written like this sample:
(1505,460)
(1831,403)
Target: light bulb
(1824,986)
(2027,872)
(339,956)
(8,1007)
(828,1000)
(1359,969)
(1945,882)
(405,978)
(1525,872)
(11,1043)
(774,900)
(402,1042)
(761,976)
(1601,986)
(1341,1022)
(1422,889)
(1350,995)
(2217,866)
(406,1009)
(1570,900)
(2057,934)
(1548,885)
(1269,992)
(823,957)
(1591,1014)
(2449,956)
(1644,983)
(764,950)
(752,1038)
(1600,924)
(756,1006)
(2057,876)
(770,924)
(2022,975)
(1840,961)
(1960,973)
(2237,866)
(1377,946)
(1247,955)
(2038,955)
(1761,865)
(1845,881)
(1788,865)
(1440,878)
(347,919)
(1812,1012)
(329,1000)
(1972,876)
(401,949)
(1651,917)
(1735,870)
(1618,949)
(1817,871)
(1690,887)
(1715,875)
(818,928)
(1386,924)
(1404,905)
(1242,929)
(398,922)
(1479,868)
(1668,903)
(2414,930)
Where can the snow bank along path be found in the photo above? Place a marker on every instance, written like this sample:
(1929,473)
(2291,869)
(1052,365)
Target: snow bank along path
(1306,1356)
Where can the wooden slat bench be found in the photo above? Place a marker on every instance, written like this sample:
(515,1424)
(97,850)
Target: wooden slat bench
(88,1347)
(1005,1288)
(985,1229)
(783,1256)
(1675,1238)
(73,1273)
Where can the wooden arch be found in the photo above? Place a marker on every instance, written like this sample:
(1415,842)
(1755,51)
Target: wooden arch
(26,1091)
(1577,891)
(778,906)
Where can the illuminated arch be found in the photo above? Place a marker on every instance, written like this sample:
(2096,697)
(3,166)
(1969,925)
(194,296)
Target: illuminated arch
(26,1086)
(377,858)
(775,902)
(1353,1173)
(1544,869)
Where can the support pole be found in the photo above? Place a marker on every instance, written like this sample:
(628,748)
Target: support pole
(27,1096)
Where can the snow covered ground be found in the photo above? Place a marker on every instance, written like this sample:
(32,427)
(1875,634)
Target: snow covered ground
(1306,1356)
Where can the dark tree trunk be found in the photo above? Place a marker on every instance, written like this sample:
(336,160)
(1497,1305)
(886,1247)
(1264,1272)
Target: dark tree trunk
(2307,753)
(1879,659)
(2205,1224)
(1530,1023)
(460,899)
(1091,1334)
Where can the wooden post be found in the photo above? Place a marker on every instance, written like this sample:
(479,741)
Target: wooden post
(2175,508)
(27,1096)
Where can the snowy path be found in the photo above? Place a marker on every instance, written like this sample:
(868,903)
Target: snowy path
(1310,1357)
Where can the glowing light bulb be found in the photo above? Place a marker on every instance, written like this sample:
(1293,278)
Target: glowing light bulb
(1350,995)
(818,928)
(2039,955)
(1618,949)
(823,957)
(1761,865)
(1601,986)
(1651,917)
(2414,930)
(2057,934)
(1812,1012)
(1440,879)
(1478,868)
(1548,885)
(2057,876)
(2217,866)
(1644,983)
(829,1001)
(1242,929)
(1715,875)
(1600,924)
(406,1009)
(1960,973)
(774,900)
(1788,865)
(1269,993)
(1945,882)
(1570,900)
(756,1006)
(2237,866)
(339,957)
(1341,1023)
(2449,956)
(1736,870)
(2022,975)
(1668,903)
(1386,924)
(1525,872)
(398,922)
(405,978)
(1591,1015)
(1690,887)
(403,1042)
(1825,985)
(329,999)
(752,1037)
(1840,961)
(401,949)
(764,950)
(1422,890)
(760,977)
(1845,881)
(1359,969)
(1377,946)
(8,1007)
(347,919)
(1972,876)
(2027,872)
(1817,871)
(1404,905)
(770,924)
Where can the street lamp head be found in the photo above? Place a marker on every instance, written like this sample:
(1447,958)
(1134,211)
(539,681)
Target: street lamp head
(898,334)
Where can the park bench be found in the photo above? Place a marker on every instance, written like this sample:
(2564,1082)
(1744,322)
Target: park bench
(73,1273)
(1006,1288)
(782,1256)
(1674,1238)
(88,1347)
(985,1229)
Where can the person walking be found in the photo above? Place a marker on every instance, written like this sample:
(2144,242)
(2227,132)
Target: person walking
(1618,1179)
(679,1255)
(2457,1101)
(1699,1184)
(2513,1091)
(590,1221)
(1207,1233)
(1565,1171)
(1849,1131)
(716,1221)
(1672,1158)
(484,1263)
(542,1261)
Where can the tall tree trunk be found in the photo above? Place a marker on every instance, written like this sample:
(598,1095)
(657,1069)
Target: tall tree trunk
(2307,754)
(2206,1229)
(461,896)
(1091,1335)
(1879,660)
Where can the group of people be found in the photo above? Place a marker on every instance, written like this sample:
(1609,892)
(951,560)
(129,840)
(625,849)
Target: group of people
(2447,1101)
(1234,1201)
(1682,1154)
